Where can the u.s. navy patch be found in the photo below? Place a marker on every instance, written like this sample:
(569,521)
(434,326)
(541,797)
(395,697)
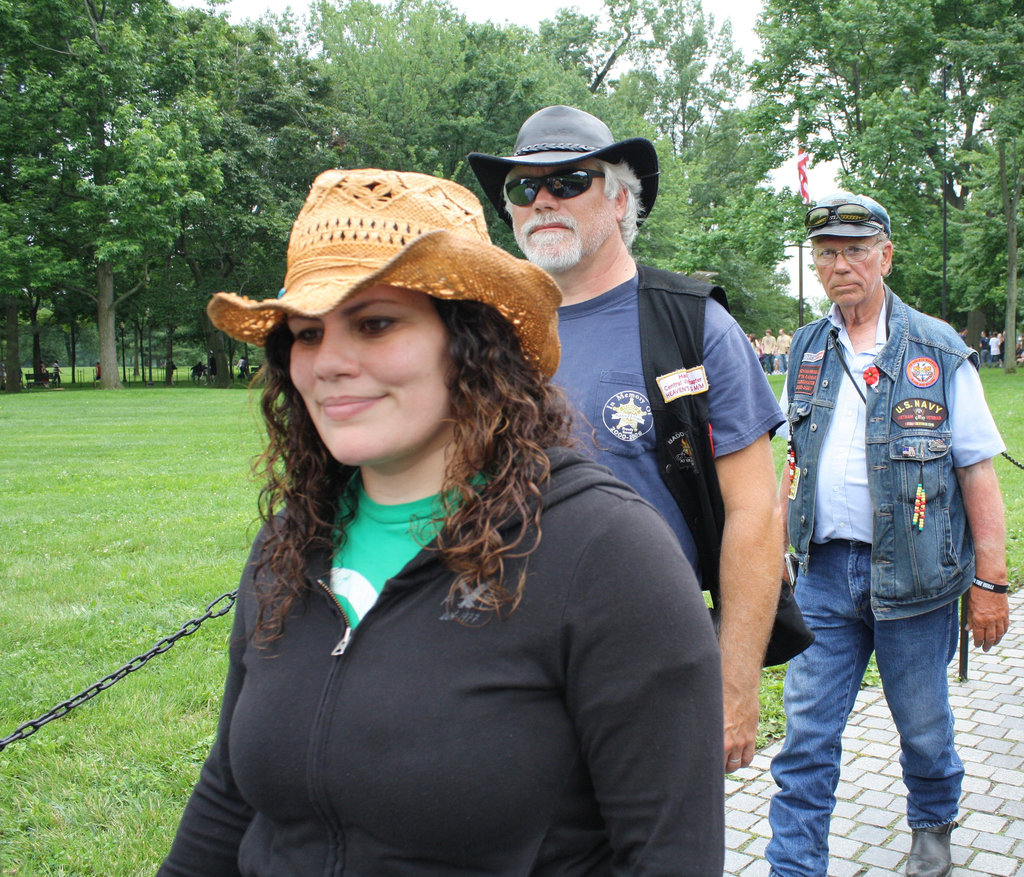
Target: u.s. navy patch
(627,415)
(684,382)
(919,414)
(922,371)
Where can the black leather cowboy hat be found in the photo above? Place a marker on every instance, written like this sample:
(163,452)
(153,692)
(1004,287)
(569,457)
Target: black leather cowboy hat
(564,135)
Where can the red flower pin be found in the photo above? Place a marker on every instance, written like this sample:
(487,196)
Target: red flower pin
(871,375)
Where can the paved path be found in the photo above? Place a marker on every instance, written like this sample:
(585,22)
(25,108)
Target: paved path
(869,833)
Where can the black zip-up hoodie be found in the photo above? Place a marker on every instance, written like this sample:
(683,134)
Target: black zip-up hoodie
(580,734)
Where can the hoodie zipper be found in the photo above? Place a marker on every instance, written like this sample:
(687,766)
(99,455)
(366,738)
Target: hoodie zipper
(339,649)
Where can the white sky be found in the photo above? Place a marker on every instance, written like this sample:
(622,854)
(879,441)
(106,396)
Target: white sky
(742,13)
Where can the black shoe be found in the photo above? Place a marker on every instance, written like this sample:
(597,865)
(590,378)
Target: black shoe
(929,852)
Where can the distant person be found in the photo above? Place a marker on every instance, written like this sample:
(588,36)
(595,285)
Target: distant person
(459,647)
(894,511)
(769,347)
(782,343)
(211,365)
(55,375)
(243,368)
(995,349)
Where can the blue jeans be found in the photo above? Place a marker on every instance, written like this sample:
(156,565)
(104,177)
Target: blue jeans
(821,688)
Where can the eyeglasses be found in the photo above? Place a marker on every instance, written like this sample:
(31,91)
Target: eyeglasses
(819,216)
(853,254)
(565,184)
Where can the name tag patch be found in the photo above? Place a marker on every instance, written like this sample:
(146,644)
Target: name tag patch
(684,382)
(919,414)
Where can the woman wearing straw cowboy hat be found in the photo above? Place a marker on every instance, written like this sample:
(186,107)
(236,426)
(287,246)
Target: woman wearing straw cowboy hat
(446,658)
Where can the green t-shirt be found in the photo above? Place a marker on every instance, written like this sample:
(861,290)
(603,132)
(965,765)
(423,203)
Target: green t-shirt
(379,541)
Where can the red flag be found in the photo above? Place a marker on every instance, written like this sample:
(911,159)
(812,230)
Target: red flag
(801,169)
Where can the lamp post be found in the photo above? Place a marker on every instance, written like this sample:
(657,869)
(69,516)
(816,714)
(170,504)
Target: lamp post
(149,331)
(124,365)
(945,71)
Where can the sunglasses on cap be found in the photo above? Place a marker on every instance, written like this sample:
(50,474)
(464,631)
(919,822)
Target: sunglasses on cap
(819,216)
(563,184)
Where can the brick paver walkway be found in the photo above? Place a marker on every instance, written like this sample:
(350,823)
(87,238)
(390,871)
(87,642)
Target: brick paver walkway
(869,828)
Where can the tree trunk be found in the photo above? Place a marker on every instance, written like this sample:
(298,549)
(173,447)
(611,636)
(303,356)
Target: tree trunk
(72,346)
(1011,191)
(215,343)
(12,357)
(169,357)
(975,323)
(38,366)
(106,324)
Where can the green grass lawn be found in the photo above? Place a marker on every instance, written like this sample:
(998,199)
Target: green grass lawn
(123,515)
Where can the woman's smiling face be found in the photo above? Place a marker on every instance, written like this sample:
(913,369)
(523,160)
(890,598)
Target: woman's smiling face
(373,374)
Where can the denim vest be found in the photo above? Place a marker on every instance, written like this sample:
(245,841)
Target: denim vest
(907,442)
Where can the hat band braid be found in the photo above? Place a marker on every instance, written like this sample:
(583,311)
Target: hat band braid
(555,147)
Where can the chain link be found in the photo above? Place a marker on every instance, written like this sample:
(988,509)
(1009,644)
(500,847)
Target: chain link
(1015,463)
(221,606)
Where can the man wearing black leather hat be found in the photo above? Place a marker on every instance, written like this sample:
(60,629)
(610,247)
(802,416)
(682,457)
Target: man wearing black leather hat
(665,380)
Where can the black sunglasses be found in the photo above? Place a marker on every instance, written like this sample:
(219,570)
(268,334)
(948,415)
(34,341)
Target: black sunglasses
(819,216)
(563,184)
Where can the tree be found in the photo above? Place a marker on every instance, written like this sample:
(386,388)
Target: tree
(112,145)
(274,135)
(866,84)
(716,214)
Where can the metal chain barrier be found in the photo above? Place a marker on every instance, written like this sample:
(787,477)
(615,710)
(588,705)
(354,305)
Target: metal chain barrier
(1015,463)
(221,606)
(214,610)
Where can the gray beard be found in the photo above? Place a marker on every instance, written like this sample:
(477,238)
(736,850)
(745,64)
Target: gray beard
(553,256)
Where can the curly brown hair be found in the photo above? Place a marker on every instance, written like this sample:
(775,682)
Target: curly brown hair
(504,415)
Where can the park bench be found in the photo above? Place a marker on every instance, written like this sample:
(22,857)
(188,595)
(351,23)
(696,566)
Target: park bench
(37,379)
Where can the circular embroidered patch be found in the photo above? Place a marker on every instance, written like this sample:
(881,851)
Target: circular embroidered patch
(627,415)
(922,371)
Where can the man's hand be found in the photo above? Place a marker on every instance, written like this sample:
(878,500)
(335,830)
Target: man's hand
(742,708)
(988,616)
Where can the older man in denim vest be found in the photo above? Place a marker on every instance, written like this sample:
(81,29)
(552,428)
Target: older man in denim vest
(894,511)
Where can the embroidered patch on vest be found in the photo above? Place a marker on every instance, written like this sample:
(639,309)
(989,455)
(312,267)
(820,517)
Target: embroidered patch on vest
(627,415)
(681,452)
(919,414)
(684,382)
(806,379)
(922,371)
(813,357)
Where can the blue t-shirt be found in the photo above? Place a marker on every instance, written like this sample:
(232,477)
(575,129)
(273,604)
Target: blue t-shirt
(601,370)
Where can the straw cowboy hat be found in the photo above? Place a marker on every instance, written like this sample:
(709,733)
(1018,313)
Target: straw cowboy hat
(561,135)
(360,228)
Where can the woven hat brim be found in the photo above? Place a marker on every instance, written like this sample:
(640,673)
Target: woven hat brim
(637,152)
(438,263)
